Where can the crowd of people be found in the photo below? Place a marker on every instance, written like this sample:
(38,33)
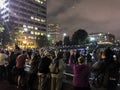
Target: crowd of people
(47,67)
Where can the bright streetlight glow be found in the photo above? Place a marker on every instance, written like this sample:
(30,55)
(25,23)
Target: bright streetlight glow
(48,35)
(92,38)
(64,34)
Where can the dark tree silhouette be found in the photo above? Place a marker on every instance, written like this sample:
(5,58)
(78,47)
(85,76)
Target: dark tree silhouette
(59,43)
(66,40)
(42,41)
(79,37)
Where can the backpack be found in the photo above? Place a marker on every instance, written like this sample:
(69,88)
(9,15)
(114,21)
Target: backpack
(111,74)
(114,71)
(43,66)
(54,67)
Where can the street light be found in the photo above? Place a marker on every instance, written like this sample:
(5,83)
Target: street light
(48,35)
(64,34)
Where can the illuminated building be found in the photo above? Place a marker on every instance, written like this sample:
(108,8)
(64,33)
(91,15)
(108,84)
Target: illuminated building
(102,38)
(27,17)
(54,32)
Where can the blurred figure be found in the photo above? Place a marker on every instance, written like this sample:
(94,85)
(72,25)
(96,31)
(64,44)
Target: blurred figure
(108,71)
(81,73)
(89,59)
(20,63)
(57,67)
(3,62)
(12,63)
(33,70)
(43,70)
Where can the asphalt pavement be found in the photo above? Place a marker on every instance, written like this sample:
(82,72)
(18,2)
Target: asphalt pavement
(4,85)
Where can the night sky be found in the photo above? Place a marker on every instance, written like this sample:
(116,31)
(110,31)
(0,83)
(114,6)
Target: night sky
(91,15)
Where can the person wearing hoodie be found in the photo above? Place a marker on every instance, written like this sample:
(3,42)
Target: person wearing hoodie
(81,73)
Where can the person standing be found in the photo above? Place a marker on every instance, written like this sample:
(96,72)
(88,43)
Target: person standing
(57,71)
(20,64)
(81,73)
(33,71)
(109,69)
(43,70)
(3,58)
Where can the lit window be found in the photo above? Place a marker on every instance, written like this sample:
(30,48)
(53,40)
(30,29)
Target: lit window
(36,19)
(42,20)
(32,17)
(32,32)
(39,1)
(24,25)
(36,28)
(42,34)
(36,33)
(30,27)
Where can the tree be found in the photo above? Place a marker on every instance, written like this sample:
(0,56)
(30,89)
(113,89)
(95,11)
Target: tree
(79,37)
(59,43)
(66,40)
(42,41)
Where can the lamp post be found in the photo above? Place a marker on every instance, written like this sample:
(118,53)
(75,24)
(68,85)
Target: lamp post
(49,38)
(64,35)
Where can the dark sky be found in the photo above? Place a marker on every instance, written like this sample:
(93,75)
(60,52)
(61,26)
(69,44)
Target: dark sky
(91,15)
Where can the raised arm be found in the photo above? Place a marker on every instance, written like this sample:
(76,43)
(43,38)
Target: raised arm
(71,58)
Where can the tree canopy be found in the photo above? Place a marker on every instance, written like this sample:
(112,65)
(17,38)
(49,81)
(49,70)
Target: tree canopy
(66,40)
(42,41)
(79,37)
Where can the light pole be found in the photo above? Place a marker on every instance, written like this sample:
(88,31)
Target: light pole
(49,38)
(64,35)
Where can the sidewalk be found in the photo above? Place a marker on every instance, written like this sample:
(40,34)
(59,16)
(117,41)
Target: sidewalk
(4,85)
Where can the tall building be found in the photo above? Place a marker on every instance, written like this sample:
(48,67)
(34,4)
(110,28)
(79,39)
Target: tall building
(54,32)
(28,18)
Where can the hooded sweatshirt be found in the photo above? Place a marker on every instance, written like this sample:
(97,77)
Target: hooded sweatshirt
(81,74)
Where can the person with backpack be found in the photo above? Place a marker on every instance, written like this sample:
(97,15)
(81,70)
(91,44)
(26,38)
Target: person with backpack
(108,71)
(57,67)
(81,73)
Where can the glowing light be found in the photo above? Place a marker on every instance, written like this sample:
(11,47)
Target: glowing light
(25,29)
(48,35)
(24,26)
(100,34)
(64,34)
(2,3)
(92,38)
(42,34)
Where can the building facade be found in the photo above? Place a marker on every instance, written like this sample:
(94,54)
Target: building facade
(54,32)
(27,19)
(102,38)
